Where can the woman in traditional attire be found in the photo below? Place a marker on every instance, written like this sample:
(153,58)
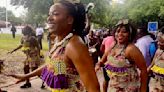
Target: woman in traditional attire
(29,45)
(157,66)
(121,62)
(68,68)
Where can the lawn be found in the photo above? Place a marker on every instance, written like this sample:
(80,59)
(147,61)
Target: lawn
(8,43)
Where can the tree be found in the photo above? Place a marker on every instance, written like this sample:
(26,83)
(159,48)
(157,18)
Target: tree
(11,16)
(106,12)
(37,9)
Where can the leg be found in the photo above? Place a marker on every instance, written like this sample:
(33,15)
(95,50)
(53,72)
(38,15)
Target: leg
(106,80)
(14,35)
(26,70)
(40,41)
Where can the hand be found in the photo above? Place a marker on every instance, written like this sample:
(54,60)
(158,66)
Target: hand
(97,67)
(10,52)
(148,70)
(21,77)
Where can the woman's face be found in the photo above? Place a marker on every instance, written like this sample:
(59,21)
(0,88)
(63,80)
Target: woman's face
(121,35)
(57,20)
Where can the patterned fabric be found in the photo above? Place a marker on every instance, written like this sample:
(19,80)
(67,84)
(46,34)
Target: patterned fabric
(32,53)
(157,82)
(58,76)
(33,58)
(123,75)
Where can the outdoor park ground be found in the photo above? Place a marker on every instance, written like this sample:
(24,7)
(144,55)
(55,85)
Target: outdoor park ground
(13,63)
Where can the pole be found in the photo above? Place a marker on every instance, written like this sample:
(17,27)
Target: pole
(6,15)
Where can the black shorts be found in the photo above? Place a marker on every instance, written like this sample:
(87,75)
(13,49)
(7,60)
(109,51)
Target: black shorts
(106,77)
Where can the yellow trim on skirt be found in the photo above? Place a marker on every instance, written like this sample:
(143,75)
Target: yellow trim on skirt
(157,69)
(115,73)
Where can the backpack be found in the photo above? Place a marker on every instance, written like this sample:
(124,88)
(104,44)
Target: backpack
(152,49)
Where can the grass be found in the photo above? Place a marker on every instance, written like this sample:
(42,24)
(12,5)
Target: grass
(8,43)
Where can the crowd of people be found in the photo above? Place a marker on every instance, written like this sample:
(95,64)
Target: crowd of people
(131,59)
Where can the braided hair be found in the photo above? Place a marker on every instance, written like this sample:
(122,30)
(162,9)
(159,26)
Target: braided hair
(77,11)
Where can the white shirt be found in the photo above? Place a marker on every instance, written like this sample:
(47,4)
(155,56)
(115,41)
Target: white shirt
(143,44)
(39,31)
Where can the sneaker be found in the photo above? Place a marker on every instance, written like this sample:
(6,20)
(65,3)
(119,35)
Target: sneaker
(42,86)
(26,85)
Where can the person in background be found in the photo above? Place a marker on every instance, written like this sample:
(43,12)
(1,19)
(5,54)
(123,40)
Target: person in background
(68,63)
(121,64)
(157,66)
(13,30)
(93,44)
(107,43)
(39,34)
(1,30)
(30,46)
(143,43)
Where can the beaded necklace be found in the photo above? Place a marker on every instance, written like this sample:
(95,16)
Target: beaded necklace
(159,55)
(57,44)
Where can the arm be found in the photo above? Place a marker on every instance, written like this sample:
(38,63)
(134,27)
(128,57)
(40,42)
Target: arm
(139,61)
(152,63)
(83,63)
(20,46)
(21,77)
(104,57)
(102,49)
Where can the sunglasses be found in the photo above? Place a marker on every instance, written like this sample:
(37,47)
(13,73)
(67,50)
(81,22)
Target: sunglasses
(71,1)
(123,22)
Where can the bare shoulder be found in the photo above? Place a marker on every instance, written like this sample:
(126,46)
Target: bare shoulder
(132,51)
(75,42)
(131,48)
(76,46)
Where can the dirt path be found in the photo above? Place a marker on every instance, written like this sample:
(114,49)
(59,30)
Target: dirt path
(14,64)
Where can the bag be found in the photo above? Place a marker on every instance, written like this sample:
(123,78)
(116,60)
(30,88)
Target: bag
(152,49)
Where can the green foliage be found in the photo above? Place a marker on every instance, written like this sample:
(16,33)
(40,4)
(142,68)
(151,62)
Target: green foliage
(37,10)
(11,16)
(106,12)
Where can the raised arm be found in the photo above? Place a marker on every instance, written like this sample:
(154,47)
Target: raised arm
(78,53)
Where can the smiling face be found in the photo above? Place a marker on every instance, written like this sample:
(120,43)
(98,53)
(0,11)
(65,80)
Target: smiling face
(58,19)
(122,35)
